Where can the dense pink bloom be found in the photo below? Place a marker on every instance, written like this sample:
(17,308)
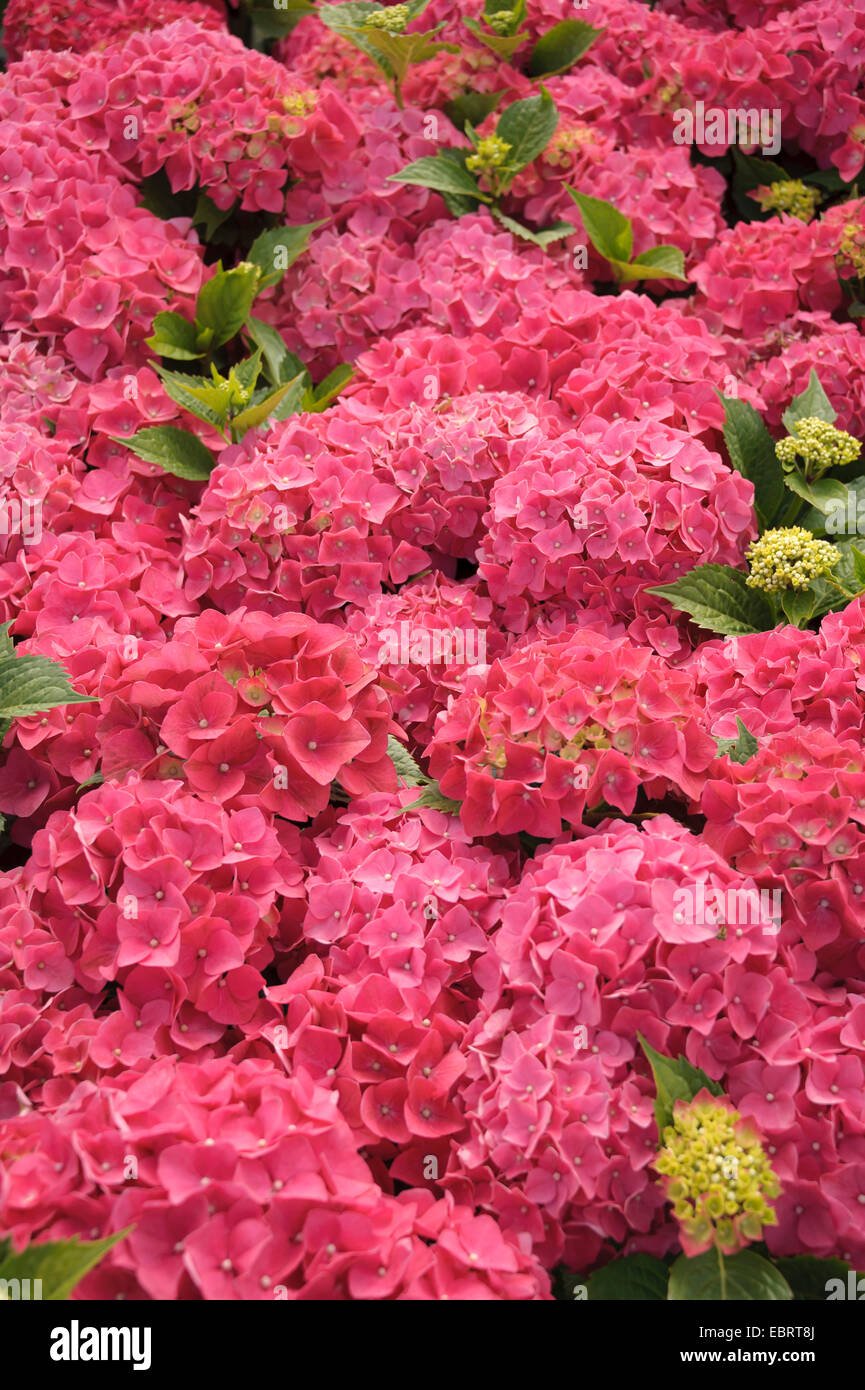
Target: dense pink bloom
(310,1030)
(564,724)
(605,513)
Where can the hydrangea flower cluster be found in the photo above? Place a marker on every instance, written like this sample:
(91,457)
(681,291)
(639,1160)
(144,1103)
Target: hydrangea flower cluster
(615,509)
(564,724)
(250,1186)
(789,557)
(819,445)
(460,277)
(793,816)
(400,822)
(718,1178)
(593,950)
(82,25)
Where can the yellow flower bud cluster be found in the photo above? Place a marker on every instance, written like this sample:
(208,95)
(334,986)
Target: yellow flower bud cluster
(300,103)
(851,251)
(793,196)
(393,19)
(567,139)
(819,445)
(502,22)
(788,558)
(490,154)
(717,1176)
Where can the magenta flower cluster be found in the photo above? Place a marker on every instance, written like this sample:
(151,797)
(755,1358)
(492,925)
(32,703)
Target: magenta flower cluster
(396,813)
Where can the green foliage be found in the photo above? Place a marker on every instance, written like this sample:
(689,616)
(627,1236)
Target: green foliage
(740,1278)
(501,28)
(562,46)
(407,769)
(740,748)
(632,1279)
(472,108)
(32,685)
(717,598)
(59,1264)
(611,234)
(445,172)
(675,1079)
(275,250)
(432,797)
(388,45)
(813,402)
(224,303)
(174,336)
(808,1275)
(752,453)
(525,128)
(176,451)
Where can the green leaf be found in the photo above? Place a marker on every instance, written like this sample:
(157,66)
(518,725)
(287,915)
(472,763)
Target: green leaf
(741,1278)
(432,797)
(297,398)
(351,15)
(658,263)
(635,1278)
(209,216)
(60,1264)
(274,251)
(823,494)
(255,415)
(543,237)
(473,107)
(812,402)
(718,599)
(174,336)
(32,685)
(798,605)
(272,23)
(177,451)
(752,453)
(560,47)
(458,205)
(675,1079)
(750,173)
(401,51)
(858,559)
(280,365)
(407,769)
(808,1275)
(247,372)
(503,45)
(95,780)
(443,173)
(608,230)
(350,20)
(224,301)
(740,748)
(7,646)
(202,397)
(328,389)
(844,573)
(527,126)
